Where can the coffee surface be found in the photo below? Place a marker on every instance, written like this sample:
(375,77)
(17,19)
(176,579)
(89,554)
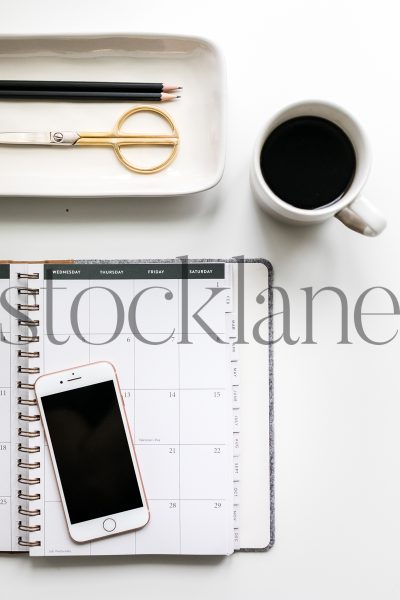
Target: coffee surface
(309,162)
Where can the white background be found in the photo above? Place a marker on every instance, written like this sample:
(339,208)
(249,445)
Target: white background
(337,406)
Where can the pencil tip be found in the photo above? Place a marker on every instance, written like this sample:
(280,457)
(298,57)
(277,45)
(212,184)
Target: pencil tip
(170,87)
(166,97)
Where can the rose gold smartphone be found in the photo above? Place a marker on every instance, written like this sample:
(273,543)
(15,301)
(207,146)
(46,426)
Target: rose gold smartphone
(92,451)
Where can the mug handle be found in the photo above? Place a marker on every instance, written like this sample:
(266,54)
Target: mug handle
(363,217)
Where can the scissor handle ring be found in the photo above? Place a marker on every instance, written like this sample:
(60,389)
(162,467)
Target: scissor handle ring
(117,146)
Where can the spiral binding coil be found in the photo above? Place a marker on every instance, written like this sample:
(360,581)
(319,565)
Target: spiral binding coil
(23,447)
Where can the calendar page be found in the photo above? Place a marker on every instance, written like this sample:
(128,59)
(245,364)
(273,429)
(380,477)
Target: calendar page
(7,491)
(163,327)
(16,400)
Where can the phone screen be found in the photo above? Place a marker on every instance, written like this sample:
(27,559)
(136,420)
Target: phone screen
(92,453)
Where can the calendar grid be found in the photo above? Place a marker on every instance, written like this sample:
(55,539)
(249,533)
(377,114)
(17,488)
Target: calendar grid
(179,427)
(180,400)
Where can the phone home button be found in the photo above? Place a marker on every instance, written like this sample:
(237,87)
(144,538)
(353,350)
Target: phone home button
(109,525)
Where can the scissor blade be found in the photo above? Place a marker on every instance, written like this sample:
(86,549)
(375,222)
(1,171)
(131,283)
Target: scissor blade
(40,138)
(25,137)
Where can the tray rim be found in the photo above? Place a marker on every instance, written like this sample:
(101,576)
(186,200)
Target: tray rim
(142,35)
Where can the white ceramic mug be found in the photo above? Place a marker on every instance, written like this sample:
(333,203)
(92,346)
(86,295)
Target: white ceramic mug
(352,208)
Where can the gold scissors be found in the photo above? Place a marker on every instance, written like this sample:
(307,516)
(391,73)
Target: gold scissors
(116,138)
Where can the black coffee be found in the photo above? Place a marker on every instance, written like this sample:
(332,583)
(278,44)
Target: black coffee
(308,162)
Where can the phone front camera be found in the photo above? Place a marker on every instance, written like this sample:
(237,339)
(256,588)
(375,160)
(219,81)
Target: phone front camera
(61,382)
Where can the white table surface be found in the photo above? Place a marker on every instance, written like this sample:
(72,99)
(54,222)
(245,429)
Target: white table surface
(337,406)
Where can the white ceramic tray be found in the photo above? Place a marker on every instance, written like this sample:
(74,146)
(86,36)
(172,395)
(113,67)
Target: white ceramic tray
(199,115)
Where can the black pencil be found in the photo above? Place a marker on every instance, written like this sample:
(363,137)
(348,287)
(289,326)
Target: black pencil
(9,94)
(88,86)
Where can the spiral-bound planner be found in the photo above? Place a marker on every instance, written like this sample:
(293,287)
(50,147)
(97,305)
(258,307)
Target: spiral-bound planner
(191,342)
